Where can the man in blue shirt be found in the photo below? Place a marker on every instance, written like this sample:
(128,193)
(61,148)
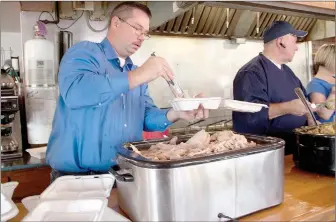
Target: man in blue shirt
(267,80)
(104,100)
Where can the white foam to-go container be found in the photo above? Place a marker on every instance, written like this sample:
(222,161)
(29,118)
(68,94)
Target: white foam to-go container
(39,153)
(241,106)
(73,198)
(187,104)
(8,208)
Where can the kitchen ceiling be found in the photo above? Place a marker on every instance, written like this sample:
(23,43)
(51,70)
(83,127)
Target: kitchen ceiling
(223,22)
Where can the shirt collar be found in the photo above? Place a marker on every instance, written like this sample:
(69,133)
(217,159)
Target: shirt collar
(111,54)
(276,64)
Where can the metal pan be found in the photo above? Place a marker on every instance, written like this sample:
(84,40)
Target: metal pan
(263,144)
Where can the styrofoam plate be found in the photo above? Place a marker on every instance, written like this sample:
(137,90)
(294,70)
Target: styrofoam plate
(39,153)
(68,210)
(187,104)
(74,187)
(8,188)
(8,208)
(242,106)
(31,202)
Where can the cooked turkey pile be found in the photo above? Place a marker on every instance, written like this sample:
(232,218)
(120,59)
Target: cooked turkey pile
(200,144)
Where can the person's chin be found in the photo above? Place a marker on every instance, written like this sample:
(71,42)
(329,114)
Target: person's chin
(132,50)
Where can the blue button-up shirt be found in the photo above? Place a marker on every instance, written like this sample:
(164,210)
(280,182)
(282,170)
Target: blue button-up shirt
(97,111)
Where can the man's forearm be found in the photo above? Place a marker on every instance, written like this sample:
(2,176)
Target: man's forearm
(135,78)
(277,109)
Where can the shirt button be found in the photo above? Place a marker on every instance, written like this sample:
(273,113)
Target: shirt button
(125,125)
(122,94)
(165,124)
(99,104)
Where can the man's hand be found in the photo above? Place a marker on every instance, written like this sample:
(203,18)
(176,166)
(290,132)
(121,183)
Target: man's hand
(296,107)
(153,68)
(293,107)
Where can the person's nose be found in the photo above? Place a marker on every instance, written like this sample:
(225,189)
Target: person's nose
(141,37)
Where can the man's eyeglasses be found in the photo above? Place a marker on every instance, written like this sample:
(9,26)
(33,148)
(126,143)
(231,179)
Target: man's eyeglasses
(137,30)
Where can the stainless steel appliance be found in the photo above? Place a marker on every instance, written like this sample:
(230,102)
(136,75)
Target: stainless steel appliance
(65,42)
(231,184)
(11,139)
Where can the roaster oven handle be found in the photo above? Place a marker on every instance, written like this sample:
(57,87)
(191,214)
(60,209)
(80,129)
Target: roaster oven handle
(220,215)
(121,177)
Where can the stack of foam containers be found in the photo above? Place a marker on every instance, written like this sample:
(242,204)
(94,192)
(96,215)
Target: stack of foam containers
(74,198)
(8,208)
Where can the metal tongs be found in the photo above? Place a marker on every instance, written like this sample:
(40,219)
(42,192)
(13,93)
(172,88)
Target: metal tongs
(299,93)
(176,89)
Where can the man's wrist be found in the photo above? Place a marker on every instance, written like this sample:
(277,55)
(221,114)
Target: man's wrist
(173,115)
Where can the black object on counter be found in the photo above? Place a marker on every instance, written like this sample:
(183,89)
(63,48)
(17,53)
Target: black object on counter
(315,153)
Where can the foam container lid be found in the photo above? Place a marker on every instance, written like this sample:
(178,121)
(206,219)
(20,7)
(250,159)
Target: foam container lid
(74,198)
(75,187)
(8,208)
(68,210)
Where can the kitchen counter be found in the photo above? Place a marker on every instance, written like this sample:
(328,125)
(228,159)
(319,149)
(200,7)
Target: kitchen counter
(308,197)
(25,162)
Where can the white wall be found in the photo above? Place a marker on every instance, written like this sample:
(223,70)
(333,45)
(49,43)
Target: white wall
(12,40)
(10,30)
(200,65)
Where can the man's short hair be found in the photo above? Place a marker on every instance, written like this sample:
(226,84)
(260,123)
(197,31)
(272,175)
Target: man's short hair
(124,10)
(325,57)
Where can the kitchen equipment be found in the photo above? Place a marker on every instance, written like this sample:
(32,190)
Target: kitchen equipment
(242,106)
(176,89)
(8,144)
(75,198)
(7,82)
(11,135)
(315,152)
(7,118)
(65,42)
(299,93)
(234,183)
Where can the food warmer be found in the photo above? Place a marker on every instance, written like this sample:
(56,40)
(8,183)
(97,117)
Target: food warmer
(208,188)
(315,150)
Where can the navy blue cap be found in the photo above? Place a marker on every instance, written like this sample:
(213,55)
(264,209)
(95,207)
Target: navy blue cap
(281,28)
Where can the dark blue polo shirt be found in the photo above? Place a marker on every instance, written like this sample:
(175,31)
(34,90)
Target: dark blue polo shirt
(261,81)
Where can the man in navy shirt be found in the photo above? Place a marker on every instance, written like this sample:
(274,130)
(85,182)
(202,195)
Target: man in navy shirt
(267,80)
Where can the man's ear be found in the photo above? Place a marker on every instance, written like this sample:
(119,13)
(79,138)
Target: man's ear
(115,21)
(278,41)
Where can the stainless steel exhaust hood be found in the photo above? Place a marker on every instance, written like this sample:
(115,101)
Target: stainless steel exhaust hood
(233,19)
